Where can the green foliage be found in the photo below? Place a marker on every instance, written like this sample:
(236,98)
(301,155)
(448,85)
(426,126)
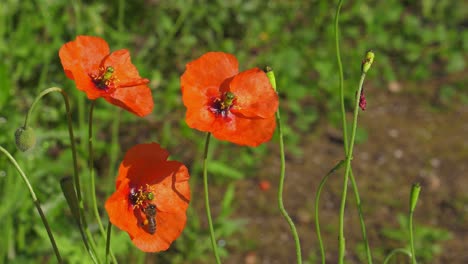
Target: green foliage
(427,239)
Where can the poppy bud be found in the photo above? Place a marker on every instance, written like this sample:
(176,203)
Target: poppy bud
(271,76)
(25,138)
(367,62)
(414,196)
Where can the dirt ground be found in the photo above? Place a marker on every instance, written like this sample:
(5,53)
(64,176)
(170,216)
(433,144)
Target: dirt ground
(409,140)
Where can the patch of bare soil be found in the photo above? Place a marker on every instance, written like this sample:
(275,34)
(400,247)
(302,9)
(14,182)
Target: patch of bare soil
(408,141)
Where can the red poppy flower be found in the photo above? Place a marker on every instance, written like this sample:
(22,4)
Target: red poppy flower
(151,199)
(233,106)
(112,76)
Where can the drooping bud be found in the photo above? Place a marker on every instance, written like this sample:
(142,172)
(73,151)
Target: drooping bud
(25,138)
(367,62)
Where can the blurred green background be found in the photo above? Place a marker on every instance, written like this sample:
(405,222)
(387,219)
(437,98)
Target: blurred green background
(415,41)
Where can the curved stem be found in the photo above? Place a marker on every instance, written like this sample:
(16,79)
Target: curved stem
(36,203)
(76,176)
(280,192)
(92,178)
(361,218)
(345,133)
(349,155)
(394,252)
(340,74)
(207,199)
(317,202)
(271,77)
(70,132)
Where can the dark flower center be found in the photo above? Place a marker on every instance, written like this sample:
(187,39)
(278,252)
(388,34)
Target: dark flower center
(105,79)
(221,105)
(141,198)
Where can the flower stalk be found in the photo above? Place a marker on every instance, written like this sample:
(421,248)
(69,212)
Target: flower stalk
(36,203)
(207,199)
(349,156)
(414,196)
(292,227)
(92,177)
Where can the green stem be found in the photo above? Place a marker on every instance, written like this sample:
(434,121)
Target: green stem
(76,176)
(68,190)
(341,238)
(340,74)
(394,252)
(280,192)
(415,190)
(271,77)
(92,178)
(36,203)
(109,233)
(207,199)
(411,235)
(345,133)
(361,218)
(317,202)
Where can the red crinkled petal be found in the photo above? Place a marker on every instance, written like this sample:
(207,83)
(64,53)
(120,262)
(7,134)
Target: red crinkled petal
(131,92)
(255,96)
(137,99)
(82,57)
(210,71)
(246,131)
(168,180)
(140,156)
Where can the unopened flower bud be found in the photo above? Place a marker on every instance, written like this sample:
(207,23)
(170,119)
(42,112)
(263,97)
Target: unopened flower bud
(414,196)
(367,62)
(271,76)
(25,138)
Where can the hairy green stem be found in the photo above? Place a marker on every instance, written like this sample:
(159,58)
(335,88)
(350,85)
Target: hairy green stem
(92,177)
(415,190)
(280,193)
(76,177)
(36,203)
(108,239)
(317,202)
(271,77)
(207,199)
(396,251)
(349,155)
(361,217)
(411,235)
(340,73)
(345,133)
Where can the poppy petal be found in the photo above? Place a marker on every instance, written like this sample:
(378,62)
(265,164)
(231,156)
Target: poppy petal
(209,71)
(146,166)
(168,227)
(140,156)
(137,99)
(124,70)
(120,210)
(82,57)
(255,96)
(246,131)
